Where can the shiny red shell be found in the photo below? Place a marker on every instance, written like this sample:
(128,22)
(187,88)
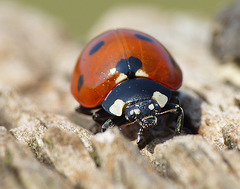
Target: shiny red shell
(95,73)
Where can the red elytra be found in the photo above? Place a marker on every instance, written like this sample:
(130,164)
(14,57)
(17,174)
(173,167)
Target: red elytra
(95,73)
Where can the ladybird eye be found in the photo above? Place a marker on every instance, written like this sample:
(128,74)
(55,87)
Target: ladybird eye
(131,112)
(137,111)
(130,115)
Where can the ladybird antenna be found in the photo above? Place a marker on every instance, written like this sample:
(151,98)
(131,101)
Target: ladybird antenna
(125,125)
(165,112)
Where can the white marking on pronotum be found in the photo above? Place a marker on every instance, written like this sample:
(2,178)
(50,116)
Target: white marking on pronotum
(137,111)
(117,107)
(121,77)
(160,98)
(150,106)
(141,73)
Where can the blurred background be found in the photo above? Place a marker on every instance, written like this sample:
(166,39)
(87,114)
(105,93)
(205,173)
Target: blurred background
(78,16)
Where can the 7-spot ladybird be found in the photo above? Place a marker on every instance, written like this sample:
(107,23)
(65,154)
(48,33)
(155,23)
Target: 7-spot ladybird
(130,77)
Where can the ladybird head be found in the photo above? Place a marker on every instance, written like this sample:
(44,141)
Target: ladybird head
(144,112)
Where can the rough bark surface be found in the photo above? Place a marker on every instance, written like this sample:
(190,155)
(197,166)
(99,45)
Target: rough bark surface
(45,144)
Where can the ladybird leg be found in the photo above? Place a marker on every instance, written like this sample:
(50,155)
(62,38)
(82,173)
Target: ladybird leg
(113,122)
(108,124)
(101,116)
(141,132)
(180,119)
(140,138)
(176,109)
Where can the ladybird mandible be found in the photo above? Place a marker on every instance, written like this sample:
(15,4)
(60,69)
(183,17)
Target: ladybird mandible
(130,77)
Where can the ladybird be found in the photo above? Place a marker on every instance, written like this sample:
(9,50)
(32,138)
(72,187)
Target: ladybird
(129,77)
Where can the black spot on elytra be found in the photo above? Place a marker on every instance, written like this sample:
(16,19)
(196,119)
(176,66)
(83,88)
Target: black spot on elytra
(143,37)
(129,66)
(80,82)
(122,66)
(173,62)
(96,47)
